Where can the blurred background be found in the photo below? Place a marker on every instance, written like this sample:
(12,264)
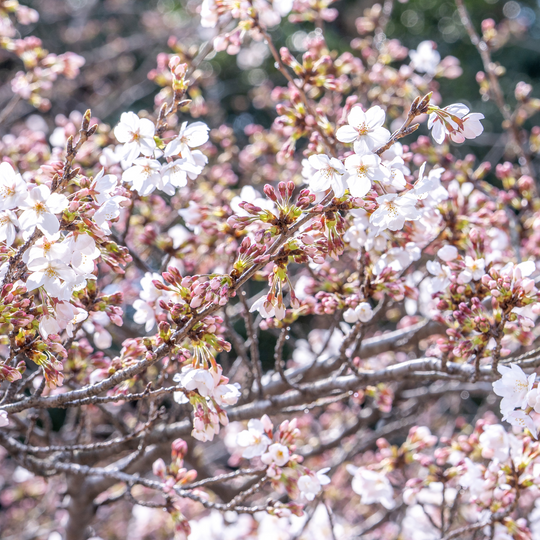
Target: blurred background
(121,39)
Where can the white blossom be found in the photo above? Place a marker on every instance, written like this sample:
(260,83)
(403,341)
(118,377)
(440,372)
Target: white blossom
(177,172)
(522,420)
(110,210)
(533,399)
(253,440)
(425,58)
(137,136)
(278,454)
(372,486)
(197,379)
(144,314)
(456,122)
(441,276)
(8,222)
(191,136)
(310,484)
(495,443)
(330,173)
(447,253)
(364,129)
(474,269)
(39,209)
(4,420)
(227,394)
(84,253)
(13,189)
(394,210)
(103,186)
(363,170)
(144,176)
(49,274)
(66,316)
(513,387)
(362,312)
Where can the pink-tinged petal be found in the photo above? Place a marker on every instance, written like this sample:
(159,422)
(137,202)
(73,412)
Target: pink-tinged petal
(438,133)
(35,280)
(147,147)
(122,133)
(357,117)
(57,203)
(339,185)
(319,182)
(146,128)
(319,161)
(131,120)
(397,223)
(375,117)
(27,220)
(458,109)
(173,148)
(457,137)
(346,134)
(379,136)
(363,146)
(66,273)
(359,187)
(40,193)
(48,223)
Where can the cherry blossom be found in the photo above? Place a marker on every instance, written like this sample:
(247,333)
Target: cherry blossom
(190,136)
(456,122)
(103,186)
(277,454)
(364,129)
(52,275)
(363,170)
(310,484)
(4,420)
(523,420)
(447,253)
(227,394)
(425,58)
(441,276)
(144,176)
(253,440)
(13,189)
(176,173)
(330,173)
(39,210)
(109,211)
(362,312)
(495,443)
(474,269)
(372,486)
(394,210)
(198,379)
(8,224)
(137,136)
(513,387)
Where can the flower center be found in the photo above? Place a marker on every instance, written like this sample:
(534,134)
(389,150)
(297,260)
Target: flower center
(390,207)
(363,130)
(328,172)
(40,208)
(361,170)
(51,272)
(7,191)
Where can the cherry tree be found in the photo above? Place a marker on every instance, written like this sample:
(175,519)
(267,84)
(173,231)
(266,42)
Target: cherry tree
(303,335)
